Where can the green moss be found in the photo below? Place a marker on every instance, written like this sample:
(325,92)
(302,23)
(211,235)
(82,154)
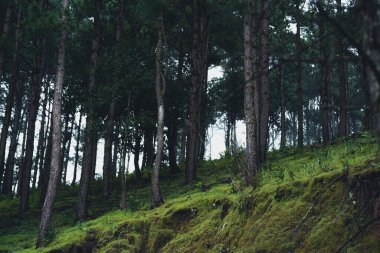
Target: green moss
(306,201)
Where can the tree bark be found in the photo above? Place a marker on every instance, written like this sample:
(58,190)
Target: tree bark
(324,82)
(137,156)
(47,209)
(343,99)
(369,13)
(77,150)
(283,109)
(198,68)
(64,147)
(299,78)
(108,151)
(11,90)
(264,81)
(32,116)
(4,36)
(67,151)
(17,120)
(12,86)
(89,140)
(250,55)
(41,136)
(160,93)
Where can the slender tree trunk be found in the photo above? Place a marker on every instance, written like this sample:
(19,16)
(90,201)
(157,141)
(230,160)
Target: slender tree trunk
(182,153)
(47,210)
(123,202)
(264,81)
(17,120)
(45,172)
(4,36)
(115,151)
(11,90)
(283,109)
(77,150)
(32,116)
(108,151)
(12,86)
(343,123)
(160,93)
(199,57)
(64,146)
(250,54)
(22,156)
(324,82)
(369,13)
(67,150)
(45,146)
(41,136)
(89,140)
(137,156)
(299,77)
(94,152)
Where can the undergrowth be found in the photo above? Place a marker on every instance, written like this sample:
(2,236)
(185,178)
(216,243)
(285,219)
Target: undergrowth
(313,199)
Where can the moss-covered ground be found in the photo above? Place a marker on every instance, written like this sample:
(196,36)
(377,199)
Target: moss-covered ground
(314,199)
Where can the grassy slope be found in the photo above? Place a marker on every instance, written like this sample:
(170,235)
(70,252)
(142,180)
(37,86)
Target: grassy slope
(308,200)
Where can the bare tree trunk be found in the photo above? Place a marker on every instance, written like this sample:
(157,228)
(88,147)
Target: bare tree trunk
(324,82)
(136,159)
(4,36)
(199,57)
(160,93)
(343,123)
(67,151)
(11,90)
(77,150)
(250,54)
(12,86)
(264,81)
(45,172)
(283,109)
(369,12)
(123,203)
(299,77)
(17,120)
(89,140)
(41,136)
(47,209)
(32,116)
(116,145)
(64,147)
(108,151)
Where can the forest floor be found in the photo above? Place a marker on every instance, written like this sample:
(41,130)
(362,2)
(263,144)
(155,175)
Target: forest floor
(315,199)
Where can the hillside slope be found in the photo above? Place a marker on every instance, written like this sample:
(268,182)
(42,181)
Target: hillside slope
(318,199)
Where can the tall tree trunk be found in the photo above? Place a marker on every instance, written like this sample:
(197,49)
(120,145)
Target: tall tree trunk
(283,109)
(77,150)
(250,54)
(116,144)
(45,172)
(47,209)
(11,90)
(299,77)
(45,147)
(108,151)
(160,93)
(324,82)
(12,86)
(137,156)
(41,136)
(4,36)
(67,150)
(369,12)
(198,68)
(32,116)
(123,202)
(9,168)
(64,146)
(173,124)
(264,81)
(89,132)
(343,98)
(22,156)
(94,152)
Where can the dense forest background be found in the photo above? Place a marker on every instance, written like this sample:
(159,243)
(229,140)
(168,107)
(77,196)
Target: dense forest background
(135,73)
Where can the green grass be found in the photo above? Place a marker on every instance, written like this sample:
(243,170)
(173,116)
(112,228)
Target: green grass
(307,200)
